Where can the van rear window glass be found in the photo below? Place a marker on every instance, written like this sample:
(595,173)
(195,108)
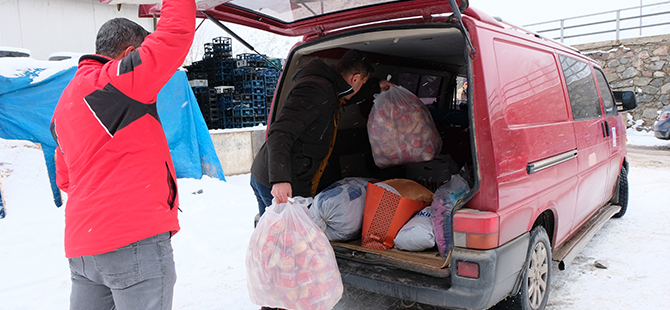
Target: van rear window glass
(606,94)
(426,87)
(293,10)
(581,88)
(530,85)
(409,81)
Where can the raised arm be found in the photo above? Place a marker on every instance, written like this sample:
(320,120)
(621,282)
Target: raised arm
(144,72)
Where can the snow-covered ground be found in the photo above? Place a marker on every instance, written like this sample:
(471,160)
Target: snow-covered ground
(217,223)
(645,138)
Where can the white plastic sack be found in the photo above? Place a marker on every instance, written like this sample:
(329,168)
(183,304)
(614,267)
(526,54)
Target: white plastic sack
(417,234)
(401,129)
(443,201)
(338,209)
(290,263)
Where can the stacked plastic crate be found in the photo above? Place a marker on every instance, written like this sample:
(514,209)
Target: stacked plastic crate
(240,88)
(270,78)
(251,87)
(226,104)
(209,106)
(220,51)
(216,67)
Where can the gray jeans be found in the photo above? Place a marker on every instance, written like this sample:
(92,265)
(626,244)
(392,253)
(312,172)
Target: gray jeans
(138,276)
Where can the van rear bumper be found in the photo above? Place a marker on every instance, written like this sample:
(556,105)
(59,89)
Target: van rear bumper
(498,273)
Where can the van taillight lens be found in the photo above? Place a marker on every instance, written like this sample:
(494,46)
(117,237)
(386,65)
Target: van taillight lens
(475,229)
(465,269)
(664,115)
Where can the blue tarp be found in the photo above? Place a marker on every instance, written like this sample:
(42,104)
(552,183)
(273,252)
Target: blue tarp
(187,134)
(26,109)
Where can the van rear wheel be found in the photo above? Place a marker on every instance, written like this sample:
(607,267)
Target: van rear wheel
(623,192)
(534,291)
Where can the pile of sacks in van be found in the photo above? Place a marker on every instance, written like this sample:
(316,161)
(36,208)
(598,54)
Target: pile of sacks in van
(396,213)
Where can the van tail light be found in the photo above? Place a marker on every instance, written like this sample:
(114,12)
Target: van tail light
(466,269)
(475,229)
(664,115)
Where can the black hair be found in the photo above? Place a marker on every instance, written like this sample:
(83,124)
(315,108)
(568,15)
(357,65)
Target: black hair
(354,62)
(116,35)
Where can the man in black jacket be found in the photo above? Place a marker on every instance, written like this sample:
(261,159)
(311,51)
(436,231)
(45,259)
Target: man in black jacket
(300,139)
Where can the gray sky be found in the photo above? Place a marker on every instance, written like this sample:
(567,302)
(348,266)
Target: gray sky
(525,12)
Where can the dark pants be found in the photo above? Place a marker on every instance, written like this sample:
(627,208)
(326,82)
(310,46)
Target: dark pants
(263,195)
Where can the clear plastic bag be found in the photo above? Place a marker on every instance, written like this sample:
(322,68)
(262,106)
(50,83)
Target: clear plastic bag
(401,129)
(338,209)
(290,263)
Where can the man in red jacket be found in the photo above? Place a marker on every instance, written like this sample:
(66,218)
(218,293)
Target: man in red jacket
(114,162)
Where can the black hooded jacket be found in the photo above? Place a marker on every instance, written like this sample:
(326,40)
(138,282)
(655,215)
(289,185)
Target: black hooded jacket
(299,138)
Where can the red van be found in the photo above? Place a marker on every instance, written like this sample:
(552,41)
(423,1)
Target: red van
(539,135)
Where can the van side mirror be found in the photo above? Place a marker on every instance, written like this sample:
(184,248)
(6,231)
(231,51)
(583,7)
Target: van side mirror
(625,100)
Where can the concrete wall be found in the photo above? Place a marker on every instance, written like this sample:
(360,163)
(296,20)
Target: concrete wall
(641,65)
(237,148)
(48,26)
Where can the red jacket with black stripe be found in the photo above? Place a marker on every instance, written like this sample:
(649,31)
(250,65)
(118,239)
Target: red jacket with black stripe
(112,158)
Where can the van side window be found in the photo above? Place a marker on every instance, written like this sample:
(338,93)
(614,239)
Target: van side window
(581,88)
(460,96)
(409,81)
(426,87)
(530,86)
(606,94)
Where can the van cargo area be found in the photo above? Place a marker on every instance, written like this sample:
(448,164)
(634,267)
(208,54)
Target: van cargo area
(430,61)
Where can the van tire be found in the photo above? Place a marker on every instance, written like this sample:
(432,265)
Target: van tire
(534,290)
(623,192)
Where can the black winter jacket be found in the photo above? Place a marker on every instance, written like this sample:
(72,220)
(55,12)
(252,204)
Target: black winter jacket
(299,138)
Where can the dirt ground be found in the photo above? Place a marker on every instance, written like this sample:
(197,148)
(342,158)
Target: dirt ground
(355,299)
(649,157)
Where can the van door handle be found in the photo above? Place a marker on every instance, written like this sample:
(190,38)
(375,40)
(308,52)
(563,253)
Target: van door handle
(602,126)
(607,128)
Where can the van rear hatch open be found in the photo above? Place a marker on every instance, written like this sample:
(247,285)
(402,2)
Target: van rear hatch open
(305,17)
(427,60)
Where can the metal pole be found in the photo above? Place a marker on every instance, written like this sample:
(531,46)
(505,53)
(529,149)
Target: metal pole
(640,17)
(562,29)
(618,26)
(196,28)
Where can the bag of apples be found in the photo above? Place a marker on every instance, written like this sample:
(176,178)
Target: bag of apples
(290,263)
(401,129)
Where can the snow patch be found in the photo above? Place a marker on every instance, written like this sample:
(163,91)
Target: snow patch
(255,128)
(15,49)
(37,70)
(613,50)
(644,138)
